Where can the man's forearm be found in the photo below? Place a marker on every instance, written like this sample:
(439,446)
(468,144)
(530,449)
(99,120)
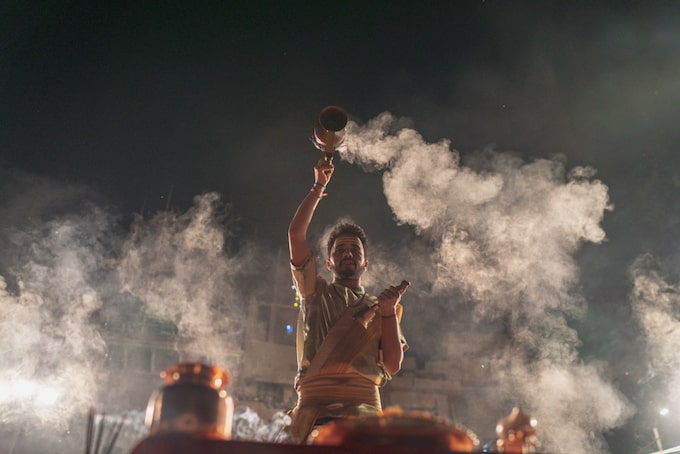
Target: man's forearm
(393,353)
(297,230)
(305,211)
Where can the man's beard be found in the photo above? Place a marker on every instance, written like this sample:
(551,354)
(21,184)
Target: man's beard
(348,272)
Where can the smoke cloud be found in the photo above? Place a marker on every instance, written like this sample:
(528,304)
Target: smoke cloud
(52,353)
(249,426)
(177,264)
(503,233)
(656,306)
(73,283)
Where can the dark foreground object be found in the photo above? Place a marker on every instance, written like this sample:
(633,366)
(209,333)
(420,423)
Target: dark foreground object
(183,444)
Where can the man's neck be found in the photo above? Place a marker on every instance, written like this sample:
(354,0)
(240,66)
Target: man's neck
(351,283)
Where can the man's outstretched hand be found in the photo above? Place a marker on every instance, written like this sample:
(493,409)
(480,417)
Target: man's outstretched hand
(388,299)
(323,170)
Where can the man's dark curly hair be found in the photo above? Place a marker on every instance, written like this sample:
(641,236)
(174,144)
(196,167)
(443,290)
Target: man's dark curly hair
(347,228)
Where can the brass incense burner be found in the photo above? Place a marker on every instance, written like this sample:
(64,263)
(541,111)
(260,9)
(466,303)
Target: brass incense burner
(194,400)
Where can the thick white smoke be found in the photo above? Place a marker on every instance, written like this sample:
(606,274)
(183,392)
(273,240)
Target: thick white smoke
(71,279)
(504,232)
(178,266)
(249,426)
(656,306)
(52,353)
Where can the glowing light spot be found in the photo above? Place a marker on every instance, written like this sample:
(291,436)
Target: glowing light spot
(47,396)
(4,392)
(23,388)
(289,329)
(664,412)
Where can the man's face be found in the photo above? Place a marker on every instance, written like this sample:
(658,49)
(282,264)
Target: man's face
(347,257)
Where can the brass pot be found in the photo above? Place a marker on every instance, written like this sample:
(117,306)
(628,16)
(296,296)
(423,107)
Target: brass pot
(194,400)
(329,130)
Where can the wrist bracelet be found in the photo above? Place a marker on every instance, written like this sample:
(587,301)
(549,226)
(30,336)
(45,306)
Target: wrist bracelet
(317,186)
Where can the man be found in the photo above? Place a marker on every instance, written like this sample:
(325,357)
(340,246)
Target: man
(349,344)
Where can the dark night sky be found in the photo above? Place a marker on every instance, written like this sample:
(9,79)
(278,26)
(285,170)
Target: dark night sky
(138,100)
(140,104)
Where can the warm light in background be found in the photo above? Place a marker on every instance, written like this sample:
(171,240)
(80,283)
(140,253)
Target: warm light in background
(28,390)
(4,393)
(23,389)
(47,396)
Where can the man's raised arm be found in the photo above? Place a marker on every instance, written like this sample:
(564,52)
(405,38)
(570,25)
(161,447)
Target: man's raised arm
(297,230)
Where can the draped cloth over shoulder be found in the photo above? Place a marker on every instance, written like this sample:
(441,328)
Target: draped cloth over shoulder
(327,380)
(339,363)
